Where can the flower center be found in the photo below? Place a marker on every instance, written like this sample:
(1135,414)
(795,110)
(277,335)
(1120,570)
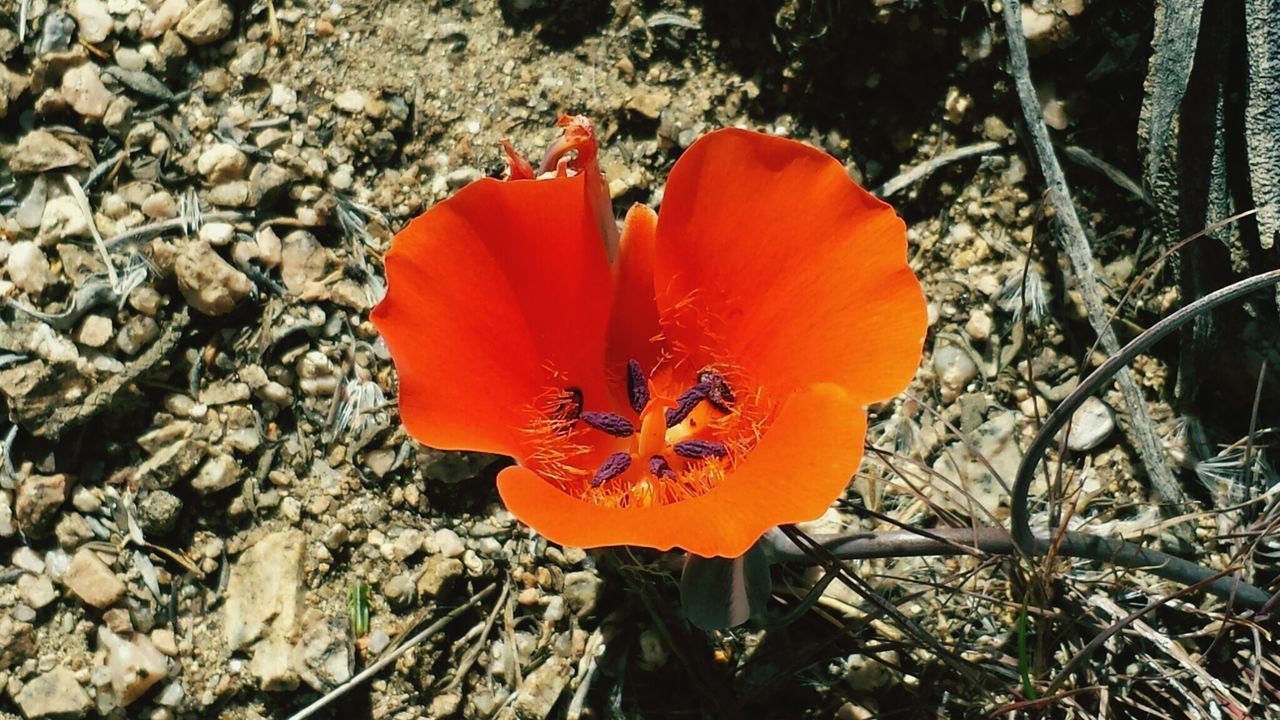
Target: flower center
(678,445)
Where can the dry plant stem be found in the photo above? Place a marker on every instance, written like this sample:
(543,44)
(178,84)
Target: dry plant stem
(916,173)
(146,232)
(1142,431)
(997,541)
(1095,381)
(391,657)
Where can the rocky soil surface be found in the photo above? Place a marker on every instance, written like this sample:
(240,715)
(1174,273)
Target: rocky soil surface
(207,505)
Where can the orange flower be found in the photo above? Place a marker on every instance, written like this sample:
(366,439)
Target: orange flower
(707,385)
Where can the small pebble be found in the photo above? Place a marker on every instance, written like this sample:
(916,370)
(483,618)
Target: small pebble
(955,370)
(208,21)
(1091,424)
(28,267)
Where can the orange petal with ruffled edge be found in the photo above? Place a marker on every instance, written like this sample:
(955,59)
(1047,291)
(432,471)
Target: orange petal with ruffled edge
(488,293)
(800,466)
(633,323)
(800,275)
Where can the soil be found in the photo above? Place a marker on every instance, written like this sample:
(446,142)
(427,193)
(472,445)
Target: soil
(221,429)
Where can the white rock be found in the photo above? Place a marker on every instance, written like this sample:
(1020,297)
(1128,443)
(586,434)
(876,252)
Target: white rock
(352,101)
(135,665)
(218,473)
(283,96)
(36,590)
(217,234)
(972,485)
(222,162)
(7,526)
(1091,423)
(448,543)
(62,219)
(979,326)
(208,21)
(28,268)
(93,20)
(27,559)
(155,24)
(955,369)
(265,597)
(82,87)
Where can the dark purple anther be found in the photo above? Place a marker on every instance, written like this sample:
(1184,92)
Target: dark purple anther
(608,422)
(612,467)
(718,392)
(685,404)
(637,386)
(700,449)
(659,468)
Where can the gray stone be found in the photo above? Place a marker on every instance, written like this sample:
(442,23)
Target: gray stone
(137,333)
(208,21)
(92,581)
(1091,423)
(265,596)
(56,694)
(323,657)
(158,512)
(41,151)
(209,283)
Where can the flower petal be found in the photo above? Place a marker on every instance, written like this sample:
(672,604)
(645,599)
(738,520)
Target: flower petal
(633,323)
(800,274)
(488,293)
(801,465)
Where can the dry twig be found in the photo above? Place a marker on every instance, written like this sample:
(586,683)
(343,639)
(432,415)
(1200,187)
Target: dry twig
(1141,431)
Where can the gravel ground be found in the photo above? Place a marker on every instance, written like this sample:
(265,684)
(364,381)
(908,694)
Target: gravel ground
(207,506)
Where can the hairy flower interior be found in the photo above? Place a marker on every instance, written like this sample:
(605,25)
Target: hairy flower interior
(625,472)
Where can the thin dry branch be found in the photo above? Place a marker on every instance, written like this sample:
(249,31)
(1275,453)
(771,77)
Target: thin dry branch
(1142,432)
(916,173)
(391,657)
